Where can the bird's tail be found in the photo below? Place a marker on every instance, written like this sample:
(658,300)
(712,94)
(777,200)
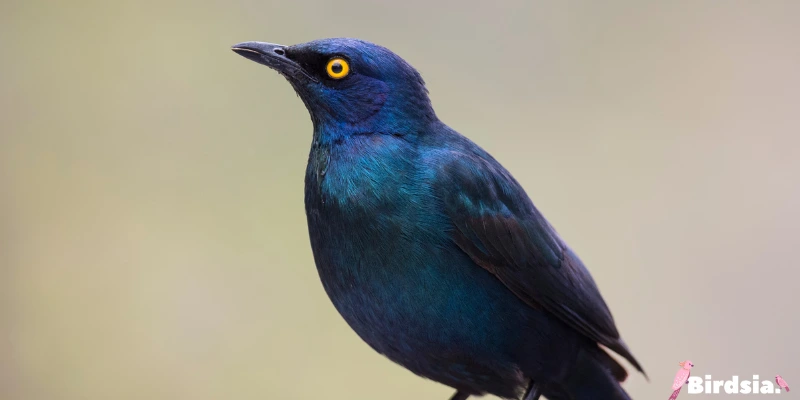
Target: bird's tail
(596,376)
(675,393)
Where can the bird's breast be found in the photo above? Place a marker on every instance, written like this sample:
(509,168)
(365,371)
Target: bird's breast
(371,218)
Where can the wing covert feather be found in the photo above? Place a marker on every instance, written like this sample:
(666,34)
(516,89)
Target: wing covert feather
(498,226)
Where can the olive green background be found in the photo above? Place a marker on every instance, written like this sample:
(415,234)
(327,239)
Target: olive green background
(153,243)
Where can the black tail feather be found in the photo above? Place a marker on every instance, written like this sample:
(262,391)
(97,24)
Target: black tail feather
(596,376)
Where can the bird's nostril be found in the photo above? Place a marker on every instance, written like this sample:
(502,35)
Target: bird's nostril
(279,52)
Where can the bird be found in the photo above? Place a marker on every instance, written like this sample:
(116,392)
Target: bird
(782,383)
(683,374)
(430,250)
(681,377)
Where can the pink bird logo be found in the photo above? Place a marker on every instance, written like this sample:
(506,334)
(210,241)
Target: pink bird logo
(681,378)
(781,383)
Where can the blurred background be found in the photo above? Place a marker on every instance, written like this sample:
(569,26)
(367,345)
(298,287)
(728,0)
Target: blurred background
(153,243)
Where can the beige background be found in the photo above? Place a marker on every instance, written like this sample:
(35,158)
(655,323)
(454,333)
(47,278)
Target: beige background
(153,240)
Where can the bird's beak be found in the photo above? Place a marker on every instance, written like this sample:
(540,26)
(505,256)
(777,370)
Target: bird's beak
(273,56)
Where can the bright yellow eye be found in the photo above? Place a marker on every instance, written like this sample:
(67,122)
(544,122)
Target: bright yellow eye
(337,68)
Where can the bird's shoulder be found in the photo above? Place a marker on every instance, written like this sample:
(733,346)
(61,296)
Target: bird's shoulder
(468,179)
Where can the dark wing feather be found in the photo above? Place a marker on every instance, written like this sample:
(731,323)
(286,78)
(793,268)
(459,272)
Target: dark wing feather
(497,225)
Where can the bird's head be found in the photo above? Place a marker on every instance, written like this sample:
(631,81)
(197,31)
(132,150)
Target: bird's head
(350,85)
(686,364)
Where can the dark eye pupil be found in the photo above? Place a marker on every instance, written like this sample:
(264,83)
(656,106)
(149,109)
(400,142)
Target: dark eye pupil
(336,67)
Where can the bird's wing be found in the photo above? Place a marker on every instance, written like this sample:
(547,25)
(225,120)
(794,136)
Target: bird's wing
(497,225)
(680,379)
(677,388)
(782,383)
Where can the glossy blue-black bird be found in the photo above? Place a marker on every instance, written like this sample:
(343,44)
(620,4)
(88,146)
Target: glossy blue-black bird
(430,250)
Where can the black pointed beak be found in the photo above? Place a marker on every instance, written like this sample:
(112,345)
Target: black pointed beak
(273,56)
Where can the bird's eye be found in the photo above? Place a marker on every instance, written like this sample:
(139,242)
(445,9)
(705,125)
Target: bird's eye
(337,68)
